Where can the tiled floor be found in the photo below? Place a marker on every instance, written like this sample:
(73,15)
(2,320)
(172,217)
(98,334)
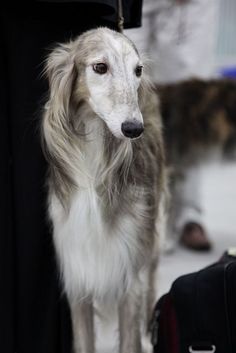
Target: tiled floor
(219,201)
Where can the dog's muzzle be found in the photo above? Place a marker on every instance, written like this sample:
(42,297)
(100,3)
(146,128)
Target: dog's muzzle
(132,129)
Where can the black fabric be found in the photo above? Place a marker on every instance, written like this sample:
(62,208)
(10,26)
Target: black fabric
(164,328)
(132,9)
(34,315)
(204,310)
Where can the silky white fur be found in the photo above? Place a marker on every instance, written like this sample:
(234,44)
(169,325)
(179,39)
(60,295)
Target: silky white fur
(95,258)
(105,190)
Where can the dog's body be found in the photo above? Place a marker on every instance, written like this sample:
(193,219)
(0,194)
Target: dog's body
(105,190)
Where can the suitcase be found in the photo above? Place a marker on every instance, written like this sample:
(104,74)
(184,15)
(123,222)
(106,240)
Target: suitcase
(198,315)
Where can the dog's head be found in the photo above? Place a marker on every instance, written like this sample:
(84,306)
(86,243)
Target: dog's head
(103,68)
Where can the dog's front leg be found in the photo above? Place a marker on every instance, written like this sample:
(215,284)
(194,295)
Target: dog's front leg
(129,323)
(83,327)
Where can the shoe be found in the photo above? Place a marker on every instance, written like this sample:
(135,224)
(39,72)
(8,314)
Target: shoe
(194,237)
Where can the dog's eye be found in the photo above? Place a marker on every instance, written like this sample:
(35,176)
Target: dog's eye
(100,68)
(139,70)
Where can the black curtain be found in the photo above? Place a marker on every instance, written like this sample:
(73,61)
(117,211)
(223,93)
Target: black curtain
(34,314)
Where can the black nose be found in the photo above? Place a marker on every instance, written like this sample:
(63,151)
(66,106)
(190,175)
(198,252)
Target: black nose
(132,129)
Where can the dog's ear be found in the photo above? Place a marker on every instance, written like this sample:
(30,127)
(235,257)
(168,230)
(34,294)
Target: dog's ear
(145,85)
(57,132)
(61,73)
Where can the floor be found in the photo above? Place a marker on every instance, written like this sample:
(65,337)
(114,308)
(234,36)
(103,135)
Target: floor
(218,183)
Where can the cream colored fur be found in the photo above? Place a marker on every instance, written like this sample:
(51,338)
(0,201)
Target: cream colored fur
(105,189)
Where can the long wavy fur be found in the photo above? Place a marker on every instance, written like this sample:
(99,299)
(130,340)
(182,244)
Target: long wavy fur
(104,196)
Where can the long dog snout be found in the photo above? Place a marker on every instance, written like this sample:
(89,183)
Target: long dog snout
(132,129)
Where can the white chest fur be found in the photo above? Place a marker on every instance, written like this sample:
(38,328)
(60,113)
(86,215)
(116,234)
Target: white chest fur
(95,259)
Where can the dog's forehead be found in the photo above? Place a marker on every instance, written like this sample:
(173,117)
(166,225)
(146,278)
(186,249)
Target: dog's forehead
(110,45)
(120,44)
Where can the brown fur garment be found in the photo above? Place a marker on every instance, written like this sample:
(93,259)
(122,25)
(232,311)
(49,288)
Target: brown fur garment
(199,114)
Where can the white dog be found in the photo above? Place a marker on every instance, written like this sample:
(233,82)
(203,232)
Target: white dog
(102,138)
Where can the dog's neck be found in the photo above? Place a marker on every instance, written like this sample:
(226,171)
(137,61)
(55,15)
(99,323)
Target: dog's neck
(103,154)
(101,161)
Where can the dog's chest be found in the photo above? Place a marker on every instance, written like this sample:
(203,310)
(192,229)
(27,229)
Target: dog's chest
(96,258)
